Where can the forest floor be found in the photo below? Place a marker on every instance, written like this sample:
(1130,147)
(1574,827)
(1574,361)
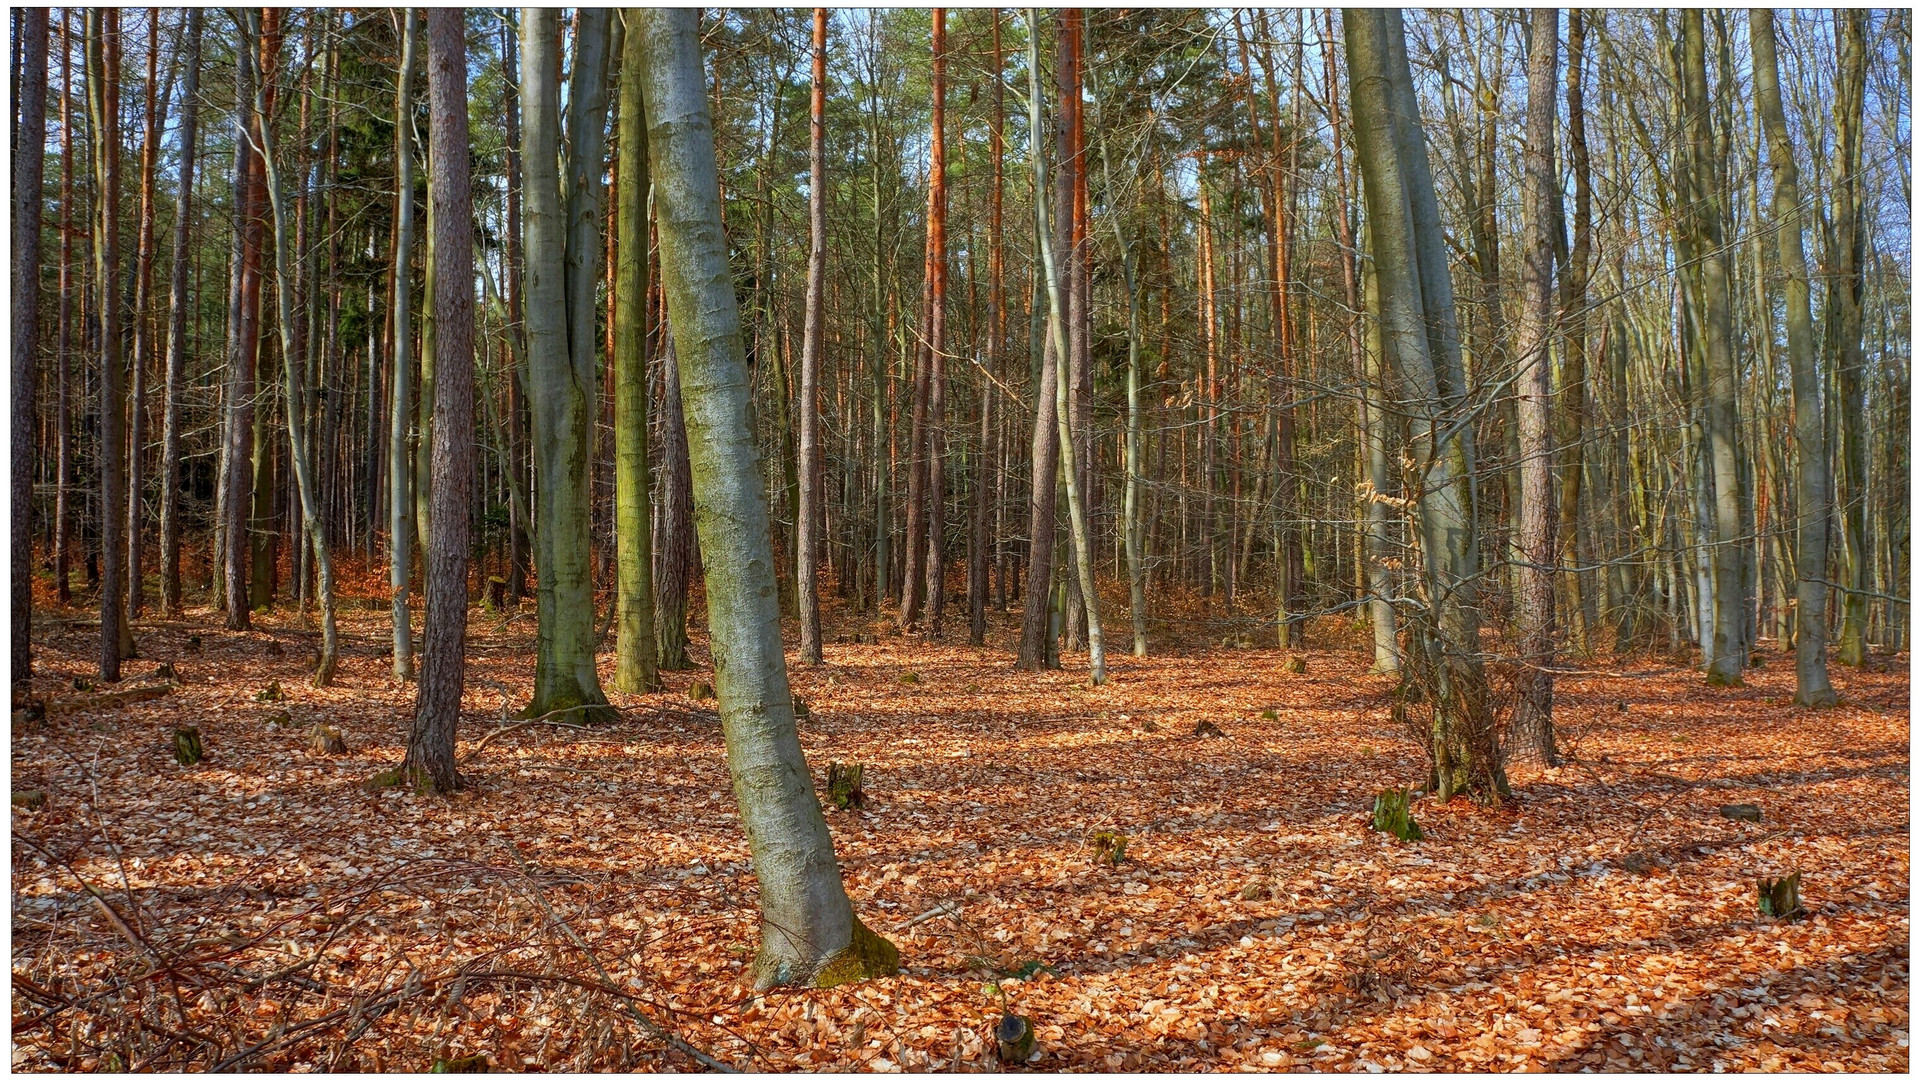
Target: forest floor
(263,910)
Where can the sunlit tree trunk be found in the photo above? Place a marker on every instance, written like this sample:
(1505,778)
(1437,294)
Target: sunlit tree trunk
(430,742)
(103,109)
(1814,493)
(1416,313)
(563,253)
(806,520)
(1533,388)
(1845,328)
(809,933)
(63,356)
(156,121)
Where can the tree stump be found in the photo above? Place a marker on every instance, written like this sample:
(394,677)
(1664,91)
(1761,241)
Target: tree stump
(186,746)
(1109,847)
(1392,815)
(1207,729)
(1013,1039)
(31,799)
(801,710)
(909,678)
(1780,897)
(471,1063)
(279,718)
(166,671)
(496,593)
(701,691)
(326,740)
(1296,665)
(844,788)
(271,693)
(1740,812)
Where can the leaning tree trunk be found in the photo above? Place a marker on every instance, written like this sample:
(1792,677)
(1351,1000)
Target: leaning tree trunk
(1533,388)
(399,457)
(294,387)
(806,520)
(29,162)
(1809,427)
(436,715)
(1417,322)
(809,933)
(562,252)
(177,304)
(636,660)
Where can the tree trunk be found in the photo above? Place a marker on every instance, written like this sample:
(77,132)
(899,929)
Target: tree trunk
(1845,327)
(673,557)
(103,107)
(1416,313)
(400,517)
(63,451)
(29,162)
(809,933)
(806,520)
(1365,346)
(936,448)
(1057,319)
(177,304)
(985,476)
(563,252)
(636,656)
(1533,387)
(143,325)
(436,717)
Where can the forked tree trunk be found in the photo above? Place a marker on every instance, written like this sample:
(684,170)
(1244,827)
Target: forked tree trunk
(563,253)
(809,933)
(636,656)
(1416,314)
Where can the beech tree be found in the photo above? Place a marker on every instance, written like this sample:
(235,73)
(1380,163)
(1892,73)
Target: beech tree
(809,934)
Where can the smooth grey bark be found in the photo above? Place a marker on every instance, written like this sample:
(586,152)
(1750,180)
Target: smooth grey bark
(808,930)
(1416,314)
(29,164)
(177,304)
(562,255)
(806,519)
(1815,488)
(1366,347)
(1713,334)
(636,656)
(436,717)
(400,515)
(294,389)
(1533,390)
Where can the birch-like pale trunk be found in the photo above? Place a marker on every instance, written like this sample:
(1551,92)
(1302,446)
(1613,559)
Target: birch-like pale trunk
(808,931)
